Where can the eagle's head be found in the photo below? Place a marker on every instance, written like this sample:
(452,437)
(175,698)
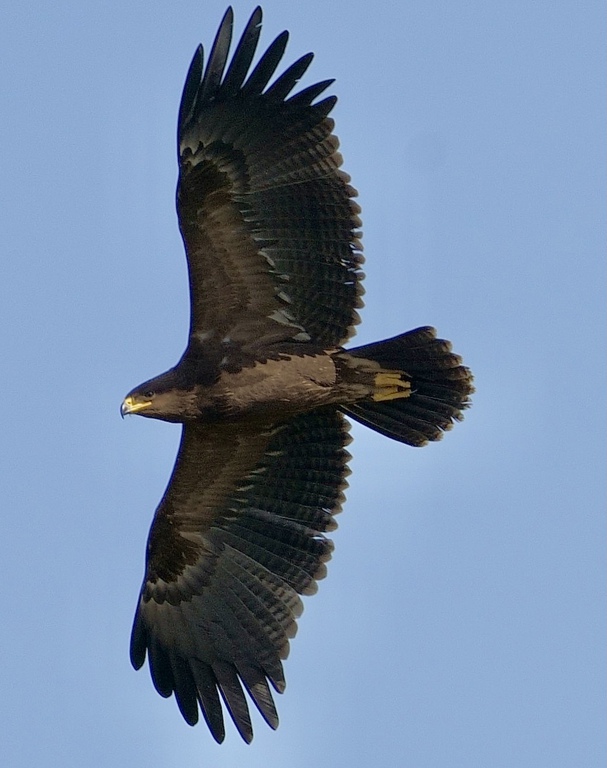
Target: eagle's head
(168,397)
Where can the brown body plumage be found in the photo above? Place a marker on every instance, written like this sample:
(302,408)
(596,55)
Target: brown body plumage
(272,240)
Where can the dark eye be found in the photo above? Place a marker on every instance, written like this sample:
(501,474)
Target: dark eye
(148,394)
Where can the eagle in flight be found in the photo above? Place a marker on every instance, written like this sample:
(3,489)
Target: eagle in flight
(271,234)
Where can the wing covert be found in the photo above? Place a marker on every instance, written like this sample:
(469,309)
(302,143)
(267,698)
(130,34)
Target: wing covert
(238,536)
(267,216)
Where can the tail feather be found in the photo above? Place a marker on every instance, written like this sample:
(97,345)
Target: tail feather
(440,388)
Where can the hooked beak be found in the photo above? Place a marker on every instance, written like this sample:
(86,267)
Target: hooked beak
(130,405)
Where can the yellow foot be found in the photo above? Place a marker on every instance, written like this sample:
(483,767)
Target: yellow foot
(391,385)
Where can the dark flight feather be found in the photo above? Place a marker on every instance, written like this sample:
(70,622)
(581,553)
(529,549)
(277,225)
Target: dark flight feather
(242,58)
(217,59)
(266,66)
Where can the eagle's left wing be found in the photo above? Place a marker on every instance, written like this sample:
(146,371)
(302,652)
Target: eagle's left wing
(236,538)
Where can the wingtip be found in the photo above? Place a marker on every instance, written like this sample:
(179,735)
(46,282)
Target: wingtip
(189,93)
(138,646)
(228,17)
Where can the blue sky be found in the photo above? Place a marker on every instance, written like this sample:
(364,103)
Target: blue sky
(462,621)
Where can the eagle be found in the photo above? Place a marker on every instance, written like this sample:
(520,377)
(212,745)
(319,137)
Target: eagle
(272,240)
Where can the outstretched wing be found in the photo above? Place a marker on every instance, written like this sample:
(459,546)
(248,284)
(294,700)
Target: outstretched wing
(236,539)
(267,218)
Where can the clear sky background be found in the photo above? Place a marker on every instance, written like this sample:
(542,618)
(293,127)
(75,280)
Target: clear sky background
(462,621)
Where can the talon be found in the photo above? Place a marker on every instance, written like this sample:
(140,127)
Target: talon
(391,386)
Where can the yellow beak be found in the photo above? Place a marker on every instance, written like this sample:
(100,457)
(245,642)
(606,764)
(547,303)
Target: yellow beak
(131,406)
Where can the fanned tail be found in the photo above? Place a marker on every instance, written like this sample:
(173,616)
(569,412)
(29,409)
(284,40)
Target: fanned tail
(440,387)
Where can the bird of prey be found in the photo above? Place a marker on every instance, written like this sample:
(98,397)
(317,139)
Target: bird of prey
(271,234)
